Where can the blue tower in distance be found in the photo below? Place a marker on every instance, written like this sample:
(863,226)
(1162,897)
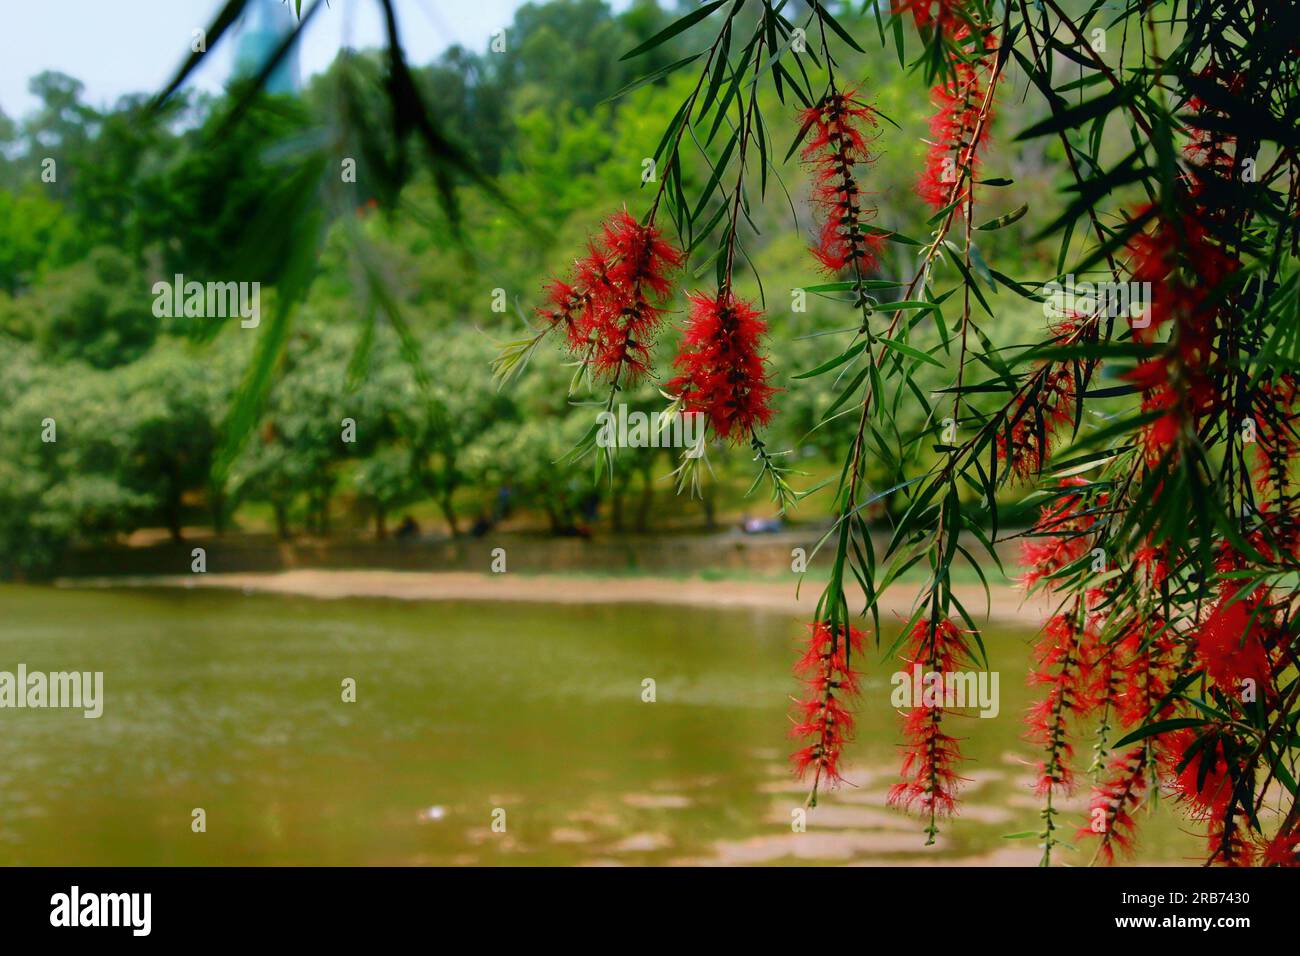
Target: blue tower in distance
(263,26)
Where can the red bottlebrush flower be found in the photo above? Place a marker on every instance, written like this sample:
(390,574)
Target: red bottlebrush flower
(1232,847)
(1161,435)
(821,716)
(1036,417)
(624,332)
(1196,767)
(1129,676)
(1210,152)
(1228,644)
(1277,437)
(929,777)
(837,143)
(1277,444)
(1034,422)
(1199,767)
(1102,675)
(1282,850)
(1149,375)
(1058,537)
(1144,651)
(1229,841)
(942,15)
(1114,802)
(594,284)
(724,376)
(613,307)
(570,308)
(1208,148)
(1059,668)
(1153,563)
(642,258)
(1184,268)
(956,132)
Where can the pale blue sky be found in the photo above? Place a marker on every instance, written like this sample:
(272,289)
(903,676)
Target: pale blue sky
(133,46)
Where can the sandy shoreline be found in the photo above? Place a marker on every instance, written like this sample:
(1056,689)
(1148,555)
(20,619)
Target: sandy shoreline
(1007,606)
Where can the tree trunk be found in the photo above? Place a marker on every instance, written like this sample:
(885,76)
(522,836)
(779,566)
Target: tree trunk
(616,501)
(381,524)
(174,504)
(449,513)
(217,505)
(281,520)
(647,500)
(174,516)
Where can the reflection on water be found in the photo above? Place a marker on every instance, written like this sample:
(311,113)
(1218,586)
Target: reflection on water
(233,703)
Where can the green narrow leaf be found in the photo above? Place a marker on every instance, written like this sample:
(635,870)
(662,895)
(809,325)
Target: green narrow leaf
(1003,221)
(835,362)
(1076,116)
(831,22)
(685,23)
(651,77)
(1159,727)
(904,349)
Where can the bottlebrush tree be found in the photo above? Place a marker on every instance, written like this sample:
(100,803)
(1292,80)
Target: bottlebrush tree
(1158,438)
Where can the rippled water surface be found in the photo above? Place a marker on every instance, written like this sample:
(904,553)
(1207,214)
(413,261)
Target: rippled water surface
(232,703)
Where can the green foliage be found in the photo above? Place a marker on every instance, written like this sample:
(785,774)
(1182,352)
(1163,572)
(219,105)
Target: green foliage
(92,455)
(98,311)
(393,324)
(37,235)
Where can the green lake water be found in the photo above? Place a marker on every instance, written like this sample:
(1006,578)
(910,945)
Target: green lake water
(233,703)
